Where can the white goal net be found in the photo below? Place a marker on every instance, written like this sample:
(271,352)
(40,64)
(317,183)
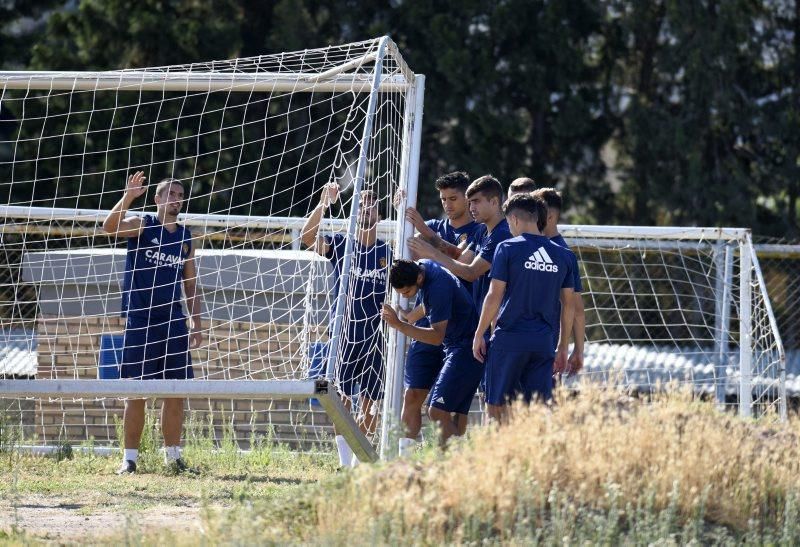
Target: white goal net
(684,306)
(253,142)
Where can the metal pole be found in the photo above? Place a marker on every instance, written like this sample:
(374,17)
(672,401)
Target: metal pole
(719,289)
(745,330)
(344,273)
(725,325)
(393,394)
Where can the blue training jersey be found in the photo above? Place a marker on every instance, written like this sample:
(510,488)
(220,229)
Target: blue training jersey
(535,270)
(576,276)
(367,291)
(486,245)
(154,270)
(456,236)
(445,299)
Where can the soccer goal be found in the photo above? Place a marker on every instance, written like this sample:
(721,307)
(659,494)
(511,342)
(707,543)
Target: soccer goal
(253,141)
(685,306)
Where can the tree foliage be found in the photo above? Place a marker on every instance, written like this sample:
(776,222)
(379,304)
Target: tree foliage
(647,112)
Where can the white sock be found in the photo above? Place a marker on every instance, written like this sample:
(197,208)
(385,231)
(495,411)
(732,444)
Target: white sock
(355,461)
(407,445)
(131,454)
(172,453)
(345,454)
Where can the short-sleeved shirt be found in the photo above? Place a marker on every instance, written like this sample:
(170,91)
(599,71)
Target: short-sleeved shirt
(576,272)
(535,270)
(154,263)
(367,291)
(446,299)
(455,236)
(486,245)
(559,240)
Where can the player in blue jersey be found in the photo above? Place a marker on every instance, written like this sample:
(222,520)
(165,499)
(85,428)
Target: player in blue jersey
(159,262)
(359,370)
(530,274)
(485,196)
(452,316)
(424,361)
(554,202)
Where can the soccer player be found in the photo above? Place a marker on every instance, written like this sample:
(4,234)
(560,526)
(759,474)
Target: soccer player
(530,274)
(424,361)
(360,370)
(160,259)
(451,313)
(485,196)
(521,185)
(554,202)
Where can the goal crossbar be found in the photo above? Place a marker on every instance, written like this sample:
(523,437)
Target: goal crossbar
(285,390)
(137,81)
(576,233)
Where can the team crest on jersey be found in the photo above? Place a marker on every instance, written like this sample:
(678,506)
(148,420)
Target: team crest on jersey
(382,262)
(462,238)
(186,248)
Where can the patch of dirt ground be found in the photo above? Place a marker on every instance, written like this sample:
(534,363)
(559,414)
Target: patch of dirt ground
(51,518)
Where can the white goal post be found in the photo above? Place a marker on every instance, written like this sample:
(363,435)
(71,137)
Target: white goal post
(253,141)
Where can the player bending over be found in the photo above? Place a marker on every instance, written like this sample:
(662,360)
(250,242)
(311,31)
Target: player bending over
(160,258)
(359,370)
(530,274)
(452,317)
(424,361)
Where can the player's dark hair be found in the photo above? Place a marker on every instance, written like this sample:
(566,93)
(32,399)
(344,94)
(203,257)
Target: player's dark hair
(403,273)
(527,208)
(166,183)
(487,185)
(522,184)
(551,197)
(457,180)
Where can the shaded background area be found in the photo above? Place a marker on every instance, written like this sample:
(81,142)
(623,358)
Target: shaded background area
(665,112)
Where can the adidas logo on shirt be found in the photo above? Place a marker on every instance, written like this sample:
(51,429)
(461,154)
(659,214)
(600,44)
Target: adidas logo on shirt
(155,241)
(541,261)
(440,400)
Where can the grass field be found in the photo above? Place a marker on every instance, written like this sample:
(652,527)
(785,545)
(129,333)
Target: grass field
(601,468)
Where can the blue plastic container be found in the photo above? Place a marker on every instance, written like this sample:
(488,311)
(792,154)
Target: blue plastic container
(110,356)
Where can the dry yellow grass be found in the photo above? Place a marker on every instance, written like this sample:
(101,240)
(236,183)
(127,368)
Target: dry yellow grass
(599,452)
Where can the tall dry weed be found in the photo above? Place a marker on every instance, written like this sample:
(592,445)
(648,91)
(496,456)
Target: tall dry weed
(601,451)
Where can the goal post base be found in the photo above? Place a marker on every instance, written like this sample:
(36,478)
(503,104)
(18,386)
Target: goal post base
(285,390)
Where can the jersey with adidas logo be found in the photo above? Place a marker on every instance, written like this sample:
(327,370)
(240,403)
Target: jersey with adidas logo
(534,270)
(154,270)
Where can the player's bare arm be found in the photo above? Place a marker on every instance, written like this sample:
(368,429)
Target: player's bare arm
(468,272)
(193,302)
(567,316)
(116,224)
(414,315)
(433,335)
(309,234)
(575,361)
(426,233)
(491,306)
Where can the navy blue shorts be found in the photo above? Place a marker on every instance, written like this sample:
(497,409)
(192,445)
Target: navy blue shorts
(423,364)
(458,381)
(156,349)
(360,369)
(510,374)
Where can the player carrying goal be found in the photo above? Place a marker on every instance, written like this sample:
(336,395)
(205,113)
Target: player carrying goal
(160,258)
(359,370)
